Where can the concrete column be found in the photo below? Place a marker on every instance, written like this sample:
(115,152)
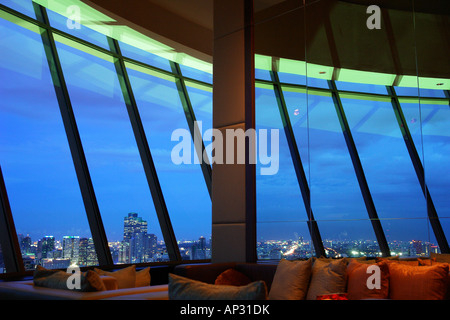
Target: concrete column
(233,184)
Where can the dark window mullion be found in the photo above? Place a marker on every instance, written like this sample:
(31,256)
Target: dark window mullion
(298,166)
(431,209)
(76,148)
(193,127)
(12,255)
(365,191)
(146,156)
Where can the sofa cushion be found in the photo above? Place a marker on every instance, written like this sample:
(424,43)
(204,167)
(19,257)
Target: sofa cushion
(126,277)
(143,277)
(328,276)
(57,279)
(291,280)
(181,288)
(418,282)
(232,277)
(358,276)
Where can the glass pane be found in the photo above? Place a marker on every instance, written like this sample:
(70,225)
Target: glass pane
(278,196)
(262,74)
(196,74)
(349,238)
(39,174)
(335,192)
(22,6)
(436,146)
(201,100)
(113,158)
(388,168)
(144,56)
(360,87)
(426,93)
(293,244)
(78,30)
(183,184)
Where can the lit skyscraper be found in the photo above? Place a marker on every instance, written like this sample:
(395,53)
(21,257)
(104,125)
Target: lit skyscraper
(138,246)
(71,248)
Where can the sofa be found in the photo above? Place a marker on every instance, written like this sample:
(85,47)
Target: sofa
(330,279)
(309,279)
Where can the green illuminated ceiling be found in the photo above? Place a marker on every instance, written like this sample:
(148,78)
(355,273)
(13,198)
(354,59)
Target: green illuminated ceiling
(101,23)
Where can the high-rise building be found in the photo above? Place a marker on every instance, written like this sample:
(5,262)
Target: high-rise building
(71,248)
(133,224)
(138,246)
(46,246)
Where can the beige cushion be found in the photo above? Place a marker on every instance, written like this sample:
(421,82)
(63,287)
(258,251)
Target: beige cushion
(181,288)
(328,276)
(291,280)
(126,277)
(143,277)
(57,279)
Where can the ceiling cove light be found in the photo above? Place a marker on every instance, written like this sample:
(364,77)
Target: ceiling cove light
(349,75)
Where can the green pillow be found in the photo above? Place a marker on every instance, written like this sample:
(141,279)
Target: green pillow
(181,288)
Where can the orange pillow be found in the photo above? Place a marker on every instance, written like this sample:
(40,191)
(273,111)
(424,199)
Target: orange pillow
(418,283)
(357,278)
(232,277)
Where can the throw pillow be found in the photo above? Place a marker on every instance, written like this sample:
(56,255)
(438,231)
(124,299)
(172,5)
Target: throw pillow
(358,276)
(291,280)
(181,288)
(126,277)
(418,283)
(328,276)
(57,279)
(232,277)
(143,277)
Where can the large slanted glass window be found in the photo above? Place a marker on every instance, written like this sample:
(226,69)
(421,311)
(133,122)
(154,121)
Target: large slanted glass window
(428,124)
(39,175)
(395,188)
(282,219)
(112,155)
(179,172)
(336,198)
